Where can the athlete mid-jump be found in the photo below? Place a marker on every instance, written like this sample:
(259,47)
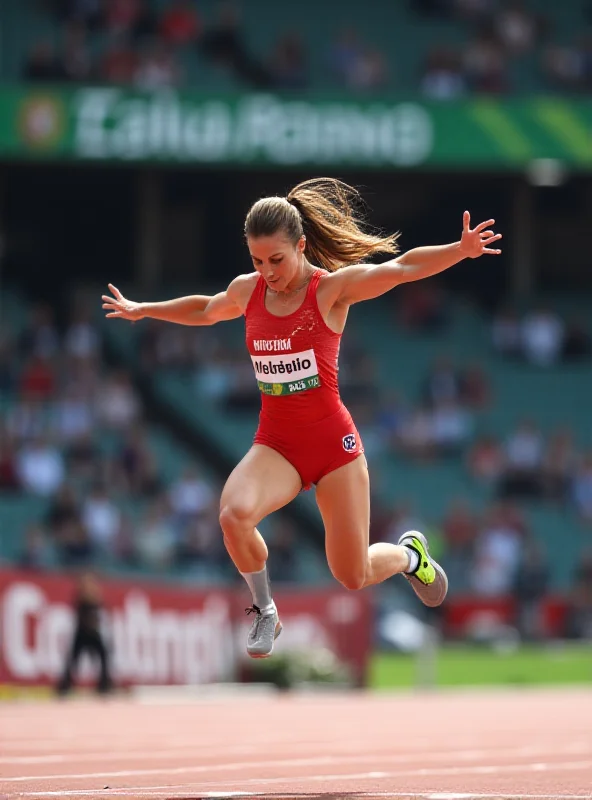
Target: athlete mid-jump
(295,304)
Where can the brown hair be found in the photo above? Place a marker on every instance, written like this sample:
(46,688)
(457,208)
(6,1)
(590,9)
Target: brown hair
(324,210)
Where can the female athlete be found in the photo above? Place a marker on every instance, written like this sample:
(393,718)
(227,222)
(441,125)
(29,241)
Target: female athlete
(295,304)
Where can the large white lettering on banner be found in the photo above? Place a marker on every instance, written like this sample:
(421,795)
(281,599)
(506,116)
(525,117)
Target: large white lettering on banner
(148,645)
(112,124)
(159,634)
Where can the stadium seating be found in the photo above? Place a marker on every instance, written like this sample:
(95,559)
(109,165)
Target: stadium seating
(20,510)
(403,361)
(402,35)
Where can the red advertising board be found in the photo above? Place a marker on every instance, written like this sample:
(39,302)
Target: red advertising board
(164,635)
(464,616)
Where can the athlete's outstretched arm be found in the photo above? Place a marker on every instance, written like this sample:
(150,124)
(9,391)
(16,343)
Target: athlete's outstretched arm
(365,281)
(191,310)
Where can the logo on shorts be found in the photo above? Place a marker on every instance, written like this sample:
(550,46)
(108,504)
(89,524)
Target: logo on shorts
(349,442)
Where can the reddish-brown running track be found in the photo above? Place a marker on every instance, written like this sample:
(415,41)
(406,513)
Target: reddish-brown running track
(446,746)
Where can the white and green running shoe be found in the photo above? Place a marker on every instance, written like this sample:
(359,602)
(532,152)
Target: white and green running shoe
(264,631)
(429,581)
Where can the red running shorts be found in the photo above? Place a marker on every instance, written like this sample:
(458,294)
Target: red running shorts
(314,450)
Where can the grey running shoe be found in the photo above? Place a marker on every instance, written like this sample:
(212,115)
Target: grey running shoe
(264,631)
(429,581)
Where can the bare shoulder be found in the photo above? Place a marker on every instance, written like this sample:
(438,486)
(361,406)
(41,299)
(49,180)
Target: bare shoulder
(241,288)
(333,283)
(331,280)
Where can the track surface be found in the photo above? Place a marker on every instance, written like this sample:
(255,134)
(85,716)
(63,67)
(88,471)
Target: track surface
(448,746)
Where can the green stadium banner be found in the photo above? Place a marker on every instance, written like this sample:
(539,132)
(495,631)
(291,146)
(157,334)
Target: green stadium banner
(100,124)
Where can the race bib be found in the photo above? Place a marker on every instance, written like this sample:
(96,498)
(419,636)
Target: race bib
(286,374)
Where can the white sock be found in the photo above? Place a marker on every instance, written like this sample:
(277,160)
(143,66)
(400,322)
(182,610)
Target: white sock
(413,560)
(258,583)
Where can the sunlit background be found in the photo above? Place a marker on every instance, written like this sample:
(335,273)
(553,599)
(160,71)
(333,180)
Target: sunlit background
(134,135)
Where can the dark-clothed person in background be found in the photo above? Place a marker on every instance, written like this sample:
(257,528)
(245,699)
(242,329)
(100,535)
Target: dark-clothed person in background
(87,636)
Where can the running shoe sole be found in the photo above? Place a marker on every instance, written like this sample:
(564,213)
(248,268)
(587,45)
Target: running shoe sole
(432,594)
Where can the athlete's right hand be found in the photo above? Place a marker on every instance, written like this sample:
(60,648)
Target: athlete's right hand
(120,307)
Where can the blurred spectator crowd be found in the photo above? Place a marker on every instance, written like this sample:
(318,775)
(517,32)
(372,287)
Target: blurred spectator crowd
(442,421)
(540,337)
(75,441)
(146,47)
(77,444)
(499,34)
(497,554)
(444,424)
(491,552)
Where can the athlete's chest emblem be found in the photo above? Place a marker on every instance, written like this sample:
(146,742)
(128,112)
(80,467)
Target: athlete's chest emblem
(287,373)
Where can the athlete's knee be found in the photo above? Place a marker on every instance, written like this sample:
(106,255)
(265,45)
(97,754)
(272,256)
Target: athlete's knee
(352,579)
(354,582)
(236,515)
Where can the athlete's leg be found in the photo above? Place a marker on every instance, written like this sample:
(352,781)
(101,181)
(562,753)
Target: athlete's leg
(262,482)
(343,497)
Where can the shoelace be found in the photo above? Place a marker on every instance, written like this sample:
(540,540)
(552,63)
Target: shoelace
(261,623)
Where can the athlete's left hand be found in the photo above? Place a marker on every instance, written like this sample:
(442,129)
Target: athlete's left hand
(475,242)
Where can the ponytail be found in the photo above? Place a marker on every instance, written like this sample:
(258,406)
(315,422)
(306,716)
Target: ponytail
(334,236)
(323,209)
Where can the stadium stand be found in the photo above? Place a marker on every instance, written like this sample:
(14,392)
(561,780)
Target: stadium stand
(491,47)
(384,367)
(87,478)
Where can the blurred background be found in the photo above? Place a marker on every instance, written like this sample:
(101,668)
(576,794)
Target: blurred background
(134,135)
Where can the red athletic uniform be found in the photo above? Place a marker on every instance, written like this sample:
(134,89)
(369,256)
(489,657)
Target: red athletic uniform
(295,359)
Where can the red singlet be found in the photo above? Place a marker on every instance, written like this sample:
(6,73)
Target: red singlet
(295,359)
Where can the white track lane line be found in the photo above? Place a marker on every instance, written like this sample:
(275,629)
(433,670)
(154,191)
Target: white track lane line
(501,769)
(446,755)
(208,788)
(148,792)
